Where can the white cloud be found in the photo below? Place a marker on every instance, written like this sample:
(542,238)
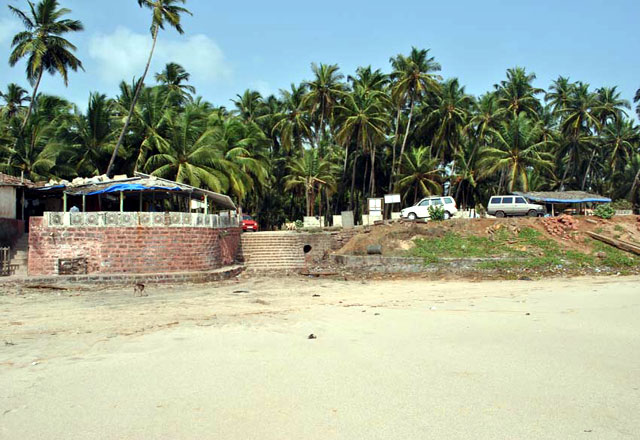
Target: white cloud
(8,28)
(123,54)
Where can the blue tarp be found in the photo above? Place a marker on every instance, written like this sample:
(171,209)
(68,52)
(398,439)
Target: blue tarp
(121,187)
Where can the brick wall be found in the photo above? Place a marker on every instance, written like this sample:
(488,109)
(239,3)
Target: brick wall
(115,250)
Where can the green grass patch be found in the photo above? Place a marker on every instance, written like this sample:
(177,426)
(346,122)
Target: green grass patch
(528,249)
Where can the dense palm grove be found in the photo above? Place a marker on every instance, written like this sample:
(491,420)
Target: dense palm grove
(324,145)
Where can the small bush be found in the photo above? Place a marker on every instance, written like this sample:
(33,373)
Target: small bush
(622,205)
(604,211)
(299,224)
(436,213)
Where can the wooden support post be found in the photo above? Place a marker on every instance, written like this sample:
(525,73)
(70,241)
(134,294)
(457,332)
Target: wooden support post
(121,201)
(206,205)
(64,202)
(140,210)
(84,203)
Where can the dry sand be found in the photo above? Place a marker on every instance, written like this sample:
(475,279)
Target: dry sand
(412,359)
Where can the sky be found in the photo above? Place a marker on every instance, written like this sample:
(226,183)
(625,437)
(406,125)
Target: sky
(231,46)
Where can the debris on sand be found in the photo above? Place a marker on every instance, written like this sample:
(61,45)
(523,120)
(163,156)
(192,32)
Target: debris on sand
(312,336)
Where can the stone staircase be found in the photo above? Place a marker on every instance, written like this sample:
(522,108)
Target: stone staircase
(272,251)
(20,255)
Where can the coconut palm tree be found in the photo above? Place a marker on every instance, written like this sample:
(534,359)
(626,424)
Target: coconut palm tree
(413,77)
(37,147)
(90,137)
(620,139)
(43,45)
(362,117)
(516,94)
(323,93)
(309,173)
(369,79)
(163,12)
(610,105)
(419,174)
(636,99)
(559,94)
(14,99)
(294,123)
(449,117)
(249,105)
(189,155)
(174,77)
(518,147)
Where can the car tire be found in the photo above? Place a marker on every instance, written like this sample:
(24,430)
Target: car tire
(447,215)
(500,214)
(412,216)
(533,213)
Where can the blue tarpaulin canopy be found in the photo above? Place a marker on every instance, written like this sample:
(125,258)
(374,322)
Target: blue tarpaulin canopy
(122,187)
(564,197)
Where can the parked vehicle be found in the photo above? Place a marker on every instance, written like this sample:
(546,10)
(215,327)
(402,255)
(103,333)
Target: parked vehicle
(504,206)
(249,224)
(421,209)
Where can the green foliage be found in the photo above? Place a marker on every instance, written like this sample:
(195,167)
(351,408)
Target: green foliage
(436,213)
(622,205)
(604,211)
(323,145)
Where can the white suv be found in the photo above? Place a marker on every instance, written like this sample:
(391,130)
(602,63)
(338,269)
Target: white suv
(421,210)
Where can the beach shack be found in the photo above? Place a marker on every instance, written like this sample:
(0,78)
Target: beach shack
(570,202)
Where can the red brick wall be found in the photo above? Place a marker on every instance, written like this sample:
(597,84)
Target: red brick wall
(113,250)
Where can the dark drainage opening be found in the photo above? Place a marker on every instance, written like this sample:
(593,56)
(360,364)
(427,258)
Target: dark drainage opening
(307,248)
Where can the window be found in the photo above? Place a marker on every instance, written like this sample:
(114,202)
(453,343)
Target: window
(507,200)
(496,200)
(437,202)
(449,201)
(246,217)
(521,201)
(424,203)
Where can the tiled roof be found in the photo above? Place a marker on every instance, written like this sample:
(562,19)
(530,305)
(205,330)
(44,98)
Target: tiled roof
(7,180)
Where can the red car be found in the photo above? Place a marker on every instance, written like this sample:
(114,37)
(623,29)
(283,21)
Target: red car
(249,224)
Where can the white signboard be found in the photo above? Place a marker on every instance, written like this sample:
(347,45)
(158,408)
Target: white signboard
(375,206)
(391,198)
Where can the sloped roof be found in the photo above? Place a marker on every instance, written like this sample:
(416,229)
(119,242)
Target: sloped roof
(7,180)
(564,197)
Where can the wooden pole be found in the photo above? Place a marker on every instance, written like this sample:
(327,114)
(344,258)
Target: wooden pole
(121,201)
(140,210)
(84,203)
(64,202)
(206,205)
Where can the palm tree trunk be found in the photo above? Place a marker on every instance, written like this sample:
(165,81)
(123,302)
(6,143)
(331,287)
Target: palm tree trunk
(393,152)
(372,179)
(584,179)
(636,180)
(133,103)
(353,181)
(33,100)
(406,135)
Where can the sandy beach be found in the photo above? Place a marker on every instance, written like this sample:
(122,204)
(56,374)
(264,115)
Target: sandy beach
(399,359)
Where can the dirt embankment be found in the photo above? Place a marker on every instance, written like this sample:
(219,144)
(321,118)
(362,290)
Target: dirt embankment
(397,239)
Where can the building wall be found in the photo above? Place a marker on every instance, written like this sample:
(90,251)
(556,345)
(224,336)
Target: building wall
(8,201)
(10,231)
(116,250)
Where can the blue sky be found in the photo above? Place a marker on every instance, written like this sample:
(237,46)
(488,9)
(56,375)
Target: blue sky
(231,46)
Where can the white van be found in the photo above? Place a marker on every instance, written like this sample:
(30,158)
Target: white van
(421,209)
(503,206)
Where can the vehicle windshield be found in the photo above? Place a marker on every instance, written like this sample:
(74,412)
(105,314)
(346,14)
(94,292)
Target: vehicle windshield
(246,217)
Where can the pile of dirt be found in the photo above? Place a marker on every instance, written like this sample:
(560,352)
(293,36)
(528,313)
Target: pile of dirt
(399,237)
